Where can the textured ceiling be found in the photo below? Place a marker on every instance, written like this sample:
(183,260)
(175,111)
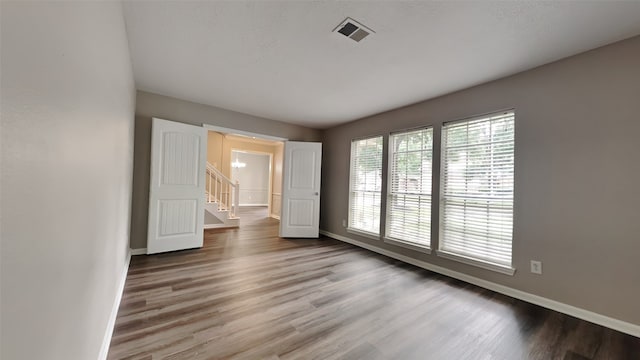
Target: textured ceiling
(281,61)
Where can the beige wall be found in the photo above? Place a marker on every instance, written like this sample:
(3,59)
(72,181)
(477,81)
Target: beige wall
(215,149)
(230,145)
(67,114)
(577,176)
(276,193)
(150,105)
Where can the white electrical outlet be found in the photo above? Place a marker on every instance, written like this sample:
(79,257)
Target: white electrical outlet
(344,223)
(536,267)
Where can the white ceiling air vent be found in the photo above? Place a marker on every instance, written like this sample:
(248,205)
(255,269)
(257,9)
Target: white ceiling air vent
(353,30)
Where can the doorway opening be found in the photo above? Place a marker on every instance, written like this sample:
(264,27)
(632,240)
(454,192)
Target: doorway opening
(177,207)
(249,170)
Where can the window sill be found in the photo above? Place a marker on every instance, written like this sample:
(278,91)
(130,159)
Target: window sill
(507,270)
(364,233)
(410,246)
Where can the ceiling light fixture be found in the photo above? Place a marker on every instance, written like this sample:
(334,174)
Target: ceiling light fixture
(237,164)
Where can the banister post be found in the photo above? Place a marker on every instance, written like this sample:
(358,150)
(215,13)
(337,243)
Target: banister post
(236,196)
(209,193)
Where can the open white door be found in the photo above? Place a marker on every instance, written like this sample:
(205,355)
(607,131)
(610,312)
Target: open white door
(301,190)
(176,189)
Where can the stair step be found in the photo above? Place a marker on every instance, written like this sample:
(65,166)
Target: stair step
(222,214)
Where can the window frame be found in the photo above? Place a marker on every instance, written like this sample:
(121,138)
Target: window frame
(349,227)
(463,258)
(408,244)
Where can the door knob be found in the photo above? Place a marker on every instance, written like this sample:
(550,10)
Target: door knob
(316,193)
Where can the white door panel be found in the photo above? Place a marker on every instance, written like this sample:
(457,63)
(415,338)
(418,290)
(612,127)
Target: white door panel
(300,215)
(176,189)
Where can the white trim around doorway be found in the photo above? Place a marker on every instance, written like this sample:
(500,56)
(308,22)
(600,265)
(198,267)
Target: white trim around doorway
(242,132)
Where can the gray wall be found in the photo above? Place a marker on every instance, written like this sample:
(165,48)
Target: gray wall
(577,168)
(67,150)
(150,105)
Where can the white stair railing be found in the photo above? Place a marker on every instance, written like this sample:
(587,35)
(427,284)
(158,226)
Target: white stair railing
(223,191)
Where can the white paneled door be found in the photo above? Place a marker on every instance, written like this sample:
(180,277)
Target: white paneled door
(176,189)
(301,190)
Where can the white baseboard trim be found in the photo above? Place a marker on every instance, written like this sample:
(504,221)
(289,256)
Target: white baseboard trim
(609,322)
(140,251)
(106,342)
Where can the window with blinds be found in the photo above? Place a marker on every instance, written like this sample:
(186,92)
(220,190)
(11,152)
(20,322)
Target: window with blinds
(409,195)
(365,185)
(476,202)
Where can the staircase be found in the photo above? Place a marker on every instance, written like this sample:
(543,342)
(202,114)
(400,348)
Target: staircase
(222,198)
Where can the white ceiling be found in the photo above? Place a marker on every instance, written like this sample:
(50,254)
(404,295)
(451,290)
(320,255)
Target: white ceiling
(281,61)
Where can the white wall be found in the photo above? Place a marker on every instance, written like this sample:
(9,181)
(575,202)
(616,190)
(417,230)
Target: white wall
(67,112)
(253,178)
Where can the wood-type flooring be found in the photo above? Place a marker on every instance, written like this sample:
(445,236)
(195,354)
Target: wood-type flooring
(251,295)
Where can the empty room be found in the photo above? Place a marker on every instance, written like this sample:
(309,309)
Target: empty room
(440,180)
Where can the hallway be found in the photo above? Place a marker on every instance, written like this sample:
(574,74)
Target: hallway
(255,215)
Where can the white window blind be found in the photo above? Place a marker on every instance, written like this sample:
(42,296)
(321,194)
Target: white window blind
(409,196)
(477,188)
(365,185)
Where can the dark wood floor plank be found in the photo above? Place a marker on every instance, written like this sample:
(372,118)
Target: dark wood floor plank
(247,294)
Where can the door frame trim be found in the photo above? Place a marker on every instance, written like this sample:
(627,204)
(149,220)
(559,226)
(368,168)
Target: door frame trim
(242,132)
